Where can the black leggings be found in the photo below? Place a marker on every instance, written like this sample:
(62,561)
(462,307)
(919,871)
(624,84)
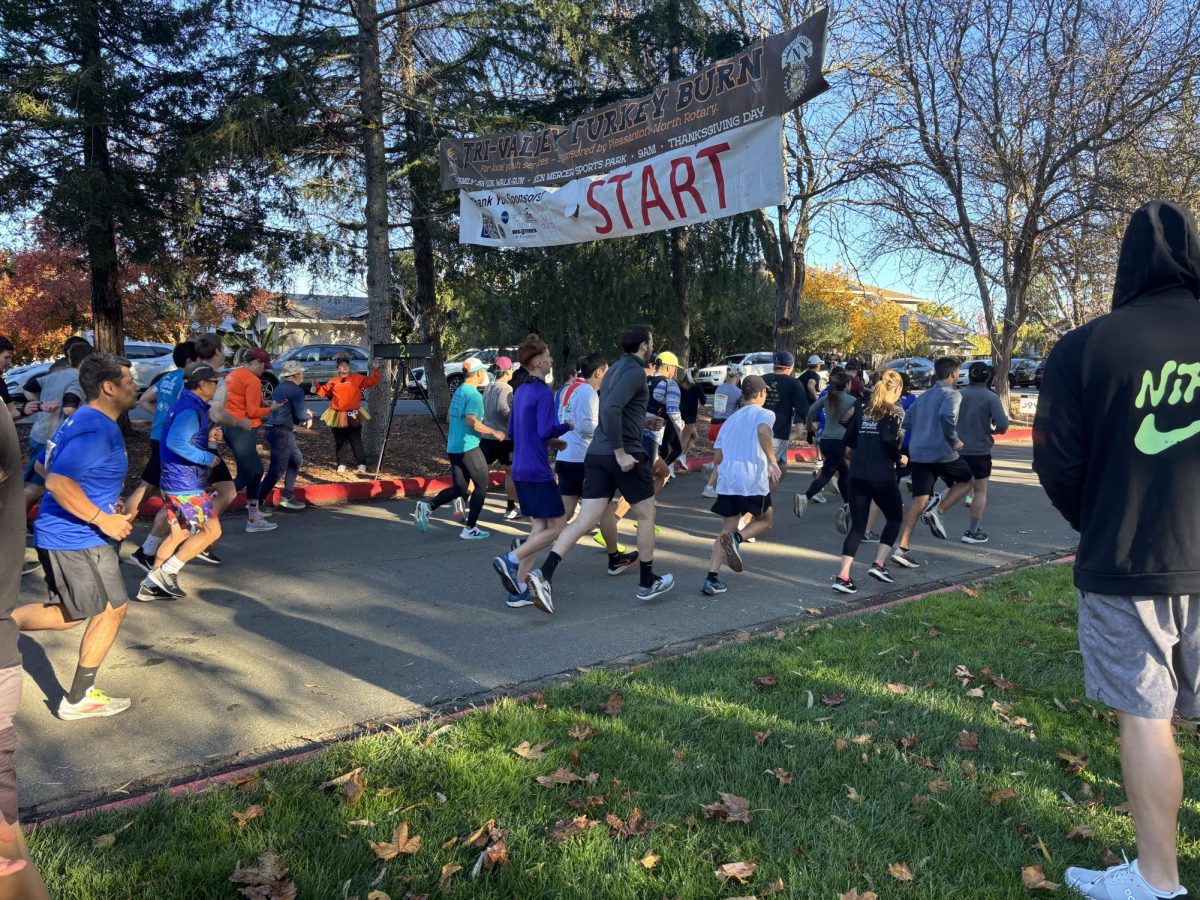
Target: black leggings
(834,453)
(466,467)
(353,437)
(886,495)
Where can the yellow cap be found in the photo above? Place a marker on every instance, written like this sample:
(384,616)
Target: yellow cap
(667,358)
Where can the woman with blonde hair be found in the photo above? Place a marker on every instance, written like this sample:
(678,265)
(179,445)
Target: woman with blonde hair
(874,433)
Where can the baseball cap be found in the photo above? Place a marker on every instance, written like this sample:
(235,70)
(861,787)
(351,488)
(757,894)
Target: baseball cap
(473,365)
(198,372)
(667,358)
(503,363)
(292,367)
(752,385)
(784,360)
(814,360)
(259,355)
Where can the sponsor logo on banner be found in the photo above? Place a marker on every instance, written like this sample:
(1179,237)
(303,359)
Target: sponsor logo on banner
(733,172)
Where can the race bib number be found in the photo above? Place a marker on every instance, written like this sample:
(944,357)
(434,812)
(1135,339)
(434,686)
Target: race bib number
(720,401)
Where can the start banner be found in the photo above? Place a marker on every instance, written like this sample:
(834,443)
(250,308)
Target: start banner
(733,172)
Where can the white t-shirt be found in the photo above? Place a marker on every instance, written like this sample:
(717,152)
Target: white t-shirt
(582,409)
(743,470)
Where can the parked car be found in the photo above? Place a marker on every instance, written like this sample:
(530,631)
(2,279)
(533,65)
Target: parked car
(710,377)
(452,368)
(1037,374)
(319,361)
(919,369)
(761,363)
(18,375)
(1020,371)
(148,360)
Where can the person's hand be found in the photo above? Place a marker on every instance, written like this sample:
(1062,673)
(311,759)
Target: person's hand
(774,473)
(7,836)
(113,525)
(655,423)
(244,424)
(624,460)
(278,404)
(32,407)
(51,406)
(958,445)
(215,434)
(557,444)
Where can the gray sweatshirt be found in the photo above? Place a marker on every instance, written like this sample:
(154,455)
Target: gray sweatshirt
(980,415)
(933,423)
(623,398)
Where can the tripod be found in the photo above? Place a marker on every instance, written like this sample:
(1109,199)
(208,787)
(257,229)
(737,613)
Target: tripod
(403,354)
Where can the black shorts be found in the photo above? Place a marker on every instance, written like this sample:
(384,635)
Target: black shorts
(603,477)
(729,505)
(570,477)
(496,451)
(152,474)
(539,499)
(85,581)
(925,475)
(219,472)
(980,466)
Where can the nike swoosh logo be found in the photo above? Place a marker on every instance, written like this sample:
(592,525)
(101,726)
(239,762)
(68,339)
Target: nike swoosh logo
(1151,441)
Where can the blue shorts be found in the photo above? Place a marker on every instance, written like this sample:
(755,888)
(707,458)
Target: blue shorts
(540,499)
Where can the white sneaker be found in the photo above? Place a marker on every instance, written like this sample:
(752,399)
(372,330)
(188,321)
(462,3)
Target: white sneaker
(800,504)
(288,503)
(709,491)
(95,703)
(1123,882)
(820,498)
(421,516)
(341,469)
(362,470)
(266,512)
(260,525)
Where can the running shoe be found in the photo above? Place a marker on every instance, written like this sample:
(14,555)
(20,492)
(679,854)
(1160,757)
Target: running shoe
(733,556)
(421,516)
(148,593)
(709,492)
(260,525)
(880,573)
(714,586)
(460,509)
(139,558)
(289,503)
(95,703)
(362,470)
(539,591)
(599,539)
(662,584)
(975,537)
(844,585)
(969,500)
(30,567)
(474,533)
(842,522)
(265,512)
(904,558)
(516,601)
(800,504)
(341,470)
(933,502)
(163,581)
(1123,882)
(937,527)
(209,557)
(516,542)
(511,514)
(833,487)
(507,570)
(819,498)
(871,537)
(624,562)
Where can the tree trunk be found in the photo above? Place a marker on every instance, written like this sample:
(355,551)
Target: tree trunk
(100,233)
(379,299)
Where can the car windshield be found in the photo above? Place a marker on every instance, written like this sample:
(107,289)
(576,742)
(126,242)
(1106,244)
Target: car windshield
(463,356)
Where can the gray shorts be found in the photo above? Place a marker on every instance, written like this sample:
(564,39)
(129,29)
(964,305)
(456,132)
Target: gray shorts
(85,582)
(1141,655)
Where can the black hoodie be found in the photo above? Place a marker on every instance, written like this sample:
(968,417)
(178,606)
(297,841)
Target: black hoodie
(1116,440)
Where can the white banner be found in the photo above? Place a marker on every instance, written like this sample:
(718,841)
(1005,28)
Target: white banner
(732,172)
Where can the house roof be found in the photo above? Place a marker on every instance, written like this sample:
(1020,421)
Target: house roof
(941,332)
(320,308)
(877,293)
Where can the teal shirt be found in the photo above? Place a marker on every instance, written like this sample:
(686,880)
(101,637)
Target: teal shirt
(467,402)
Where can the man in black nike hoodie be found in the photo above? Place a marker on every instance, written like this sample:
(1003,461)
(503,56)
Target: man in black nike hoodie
(1117,449)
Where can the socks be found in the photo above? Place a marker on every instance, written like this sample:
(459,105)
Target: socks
(975,520)
(512,504)
(151,545)
(712,576)
(85,679)
(252,509)
(647,567)
(172,566)
(511,556)
(551,563)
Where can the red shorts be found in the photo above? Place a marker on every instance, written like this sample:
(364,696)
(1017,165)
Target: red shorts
(713,430)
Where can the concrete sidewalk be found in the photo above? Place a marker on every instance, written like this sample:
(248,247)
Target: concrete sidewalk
(349,614)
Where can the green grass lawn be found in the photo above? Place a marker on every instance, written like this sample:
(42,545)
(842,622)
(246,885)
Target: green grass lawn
(921,741)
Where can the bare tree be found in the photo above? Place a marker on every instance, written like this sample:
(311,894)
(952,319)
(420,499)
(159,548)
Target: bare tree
(1007,118)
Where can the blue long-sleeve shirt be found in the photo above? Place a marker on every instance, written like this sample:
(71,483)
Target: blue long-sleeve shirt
(532,424)
(184,454)
(933,423)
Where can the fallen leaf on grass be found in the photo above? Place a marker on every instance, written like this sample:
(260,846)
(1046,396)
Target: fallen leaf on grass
(565,829)
(975,693)
(626,830)
(832,700)
(861,739)
(897,688)
(247,783)
(934,633)
(741,871)
(784,776)
(968,770)
(967,741)
(971,592)
(480,836)
(252,812)
(559,776)
(901,872)
(267,881)
(1081,831)
(731,808)
(760,737)
(1121,809)
(539,700)
(841,744)
(678,755)
(764,682)
(496,853)
(925,762)
(962,672)
(775,887)
(938,785)
(650,860)
(104,841)
(909,741)
(400,843)
(1076,762)
(574,758)
(525,751)
(853,795)
(1003,683)
(580,731)
(1108,858)
(995,798)
(380,895)
(449,870)
(1034,879)
(615,704)
(366,823)
(353,785)
(855,895)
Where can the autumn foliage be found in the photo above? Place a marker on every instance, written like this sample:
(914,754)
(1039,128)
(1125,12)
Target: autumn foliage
(873,323)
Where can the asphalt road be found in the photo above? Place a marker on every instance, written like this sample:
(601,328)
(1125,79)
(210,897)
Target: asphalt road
(349,614)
